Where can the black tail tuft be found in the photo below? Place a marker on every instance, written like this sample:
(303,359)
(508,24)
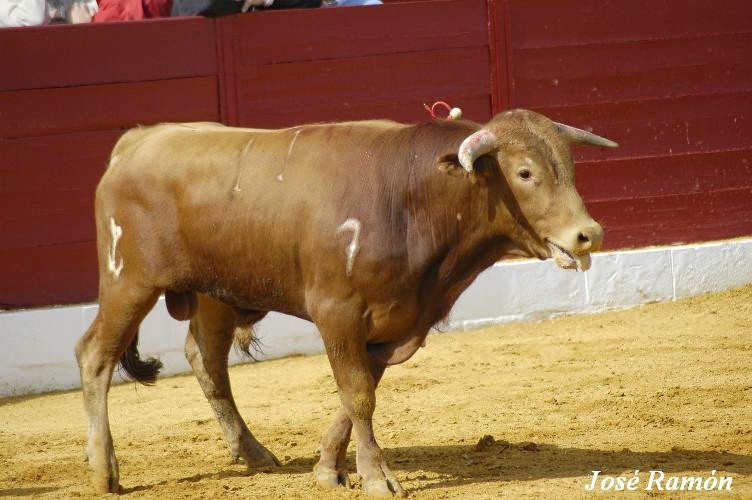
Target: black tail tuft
(137,369)
(246,343)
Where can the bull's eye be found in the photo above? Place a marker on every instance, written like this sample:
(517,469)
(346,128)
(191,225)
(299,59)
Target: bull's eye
(524,173)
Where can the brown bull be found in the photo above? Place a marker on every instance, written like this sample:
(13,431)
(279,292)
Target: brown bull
(371,230)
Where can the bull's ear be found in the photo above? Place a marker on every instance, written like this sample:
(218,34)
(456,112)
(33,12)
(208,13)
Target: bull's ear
(450,164)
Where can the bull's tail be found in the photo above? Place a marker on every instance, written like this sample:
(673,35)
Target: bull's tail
(246,343)
(143,371)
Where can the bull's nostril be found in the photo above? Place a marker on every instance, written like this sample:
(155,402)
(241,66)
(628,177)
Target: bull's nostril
(583,238)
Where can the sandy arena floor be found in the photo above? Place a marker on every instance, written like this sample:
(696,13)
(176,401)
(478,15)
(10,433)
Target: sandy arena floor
(664,386)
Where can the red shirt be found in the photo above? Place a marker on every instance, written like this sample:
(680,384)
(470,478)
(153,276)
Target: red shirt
(129,10)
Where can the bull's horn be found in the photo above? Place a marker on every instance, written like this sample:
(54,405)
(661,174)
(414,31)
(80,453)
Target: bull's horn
(475,146)
(584,137)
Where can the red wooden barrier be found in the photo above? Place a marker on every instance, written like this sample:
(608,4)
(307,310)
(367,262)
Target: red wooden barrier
(66,95)
(61,116)
(668,79)
(359,63)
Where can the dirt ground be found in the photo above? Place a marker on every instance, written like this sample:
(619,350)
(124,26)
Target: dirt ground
(663,386)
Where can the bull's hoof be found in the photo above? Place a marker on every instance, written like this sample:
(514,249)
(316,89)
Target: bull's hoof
(103,483)
(330,479)
(257,456)
(377,488)
(383,488)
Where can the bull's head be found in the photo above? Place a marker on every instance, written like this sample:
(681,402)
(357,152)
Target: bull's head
(532,153)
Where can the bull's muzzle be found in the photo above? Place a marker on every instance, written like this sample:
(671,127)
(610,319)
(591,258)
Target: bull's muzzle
(589,238)
(572,249)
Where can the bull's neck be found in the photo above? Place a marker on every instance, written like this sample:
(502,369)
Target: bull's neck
(453,233)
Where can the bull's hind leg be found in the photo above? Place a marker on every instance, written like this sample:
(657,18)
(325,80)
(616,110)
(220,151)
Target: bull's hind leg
(331,469)
(207,347)
(122,306)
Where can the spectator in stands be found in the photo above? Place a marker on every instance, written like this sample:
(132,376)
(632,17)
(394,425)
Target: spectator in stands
(215,8)
(23,13)
(71,11)
(350,3)
(108,10)
(131,10)
(35,12)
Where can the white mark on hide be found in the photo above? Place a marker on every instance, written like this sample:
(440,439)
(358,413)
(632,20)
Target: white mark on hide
(240,165)
(115,233)
(280,176)
(352,249)
(292,144)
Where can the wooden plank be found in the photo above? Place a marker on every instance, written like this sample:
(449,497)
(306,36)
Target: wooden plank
(646,69)
(67,55)
(47,194)
(663,126)
(58,217)
(673,219)
(475,108)
(105,107)
(38,166)
(49,275)
(394,86)
(228,62)
(547,23)
(310,34)
(664,175)
(500,51)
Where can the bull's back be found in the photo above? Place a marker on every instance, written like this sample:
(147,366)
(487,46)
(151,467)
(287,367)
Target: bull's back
(230,211)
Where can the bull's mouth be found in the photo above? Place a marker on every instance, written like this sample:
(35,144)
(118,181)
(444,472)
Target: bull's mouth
(566,259)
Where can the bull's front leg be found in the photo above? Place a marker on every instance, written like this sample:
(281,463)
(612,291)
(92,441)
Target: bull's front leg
(331,471)
(353,369)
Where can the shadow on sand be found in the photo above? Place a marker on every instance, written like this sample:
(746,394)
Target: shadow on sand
(27,492)
(502,461)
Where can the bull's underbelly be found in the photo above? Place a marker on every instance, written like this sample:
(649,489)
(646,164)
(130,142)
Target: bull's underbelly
(254,289)
(242,282)
(257,295)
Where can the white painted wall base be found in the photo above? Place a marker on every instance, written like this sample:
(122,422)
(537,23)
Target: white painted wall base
(36,345)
